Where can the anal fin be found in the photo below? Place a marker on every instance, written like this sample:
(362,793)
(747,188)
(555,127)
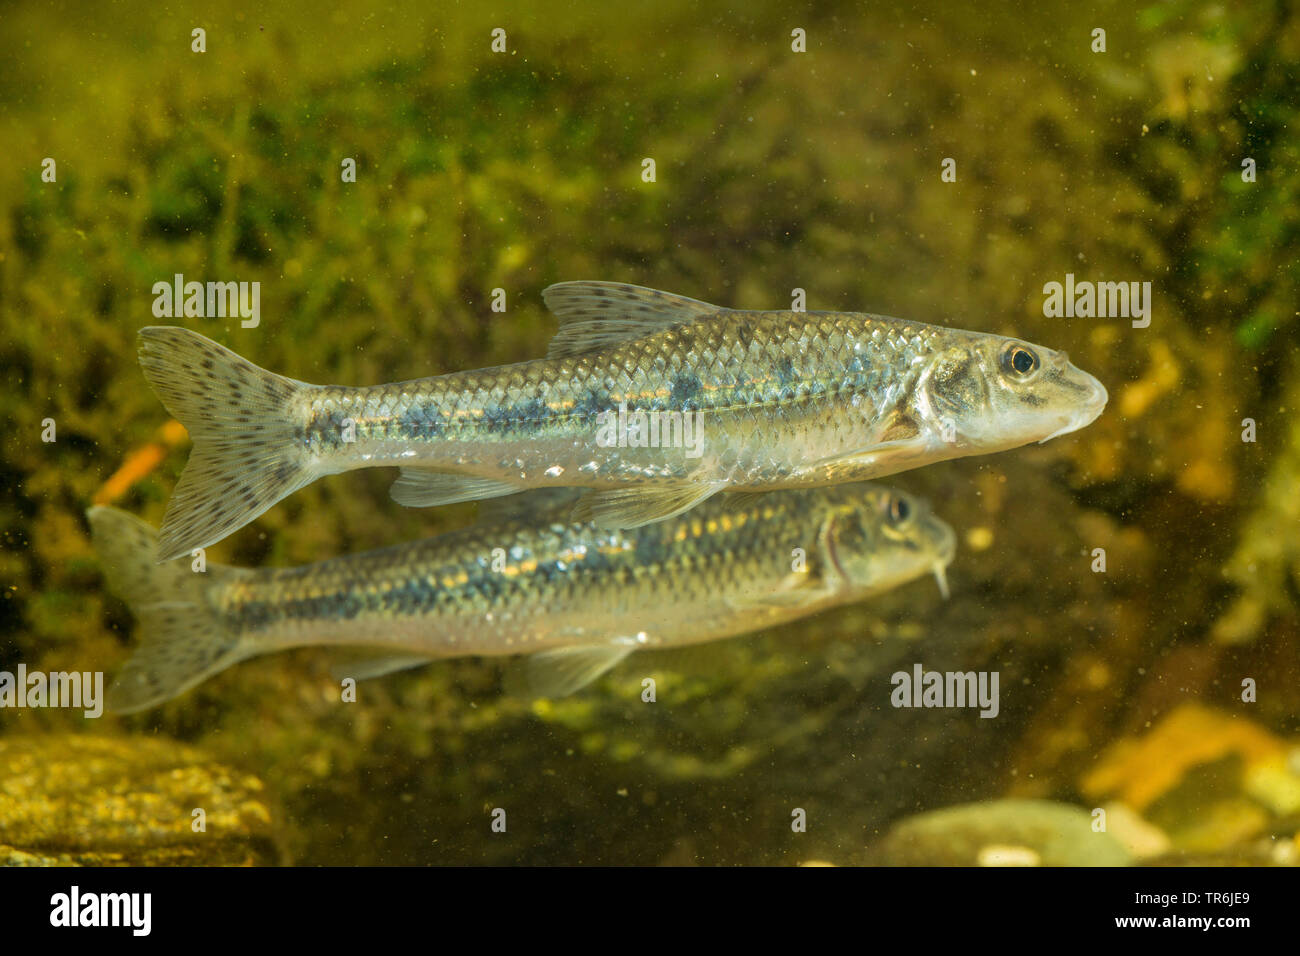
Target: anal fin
(799,589)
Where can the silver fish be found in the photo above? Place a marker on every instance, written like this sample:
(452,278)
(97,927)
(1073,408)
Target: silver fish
(576,598)
(771,400)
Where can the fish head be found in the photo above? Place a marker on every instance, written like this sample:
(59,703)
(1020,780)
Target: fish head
(878,538)
(992,393)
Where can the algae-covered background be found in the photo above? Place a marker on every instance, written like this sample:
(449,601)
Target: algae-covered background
(775,170)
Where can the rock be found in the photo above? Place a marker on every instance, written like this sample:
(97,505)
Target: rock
(74,800)
(1000,833)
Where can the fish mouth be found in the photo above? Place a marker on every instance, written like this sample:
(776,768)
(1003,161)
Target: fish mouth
(1087,412)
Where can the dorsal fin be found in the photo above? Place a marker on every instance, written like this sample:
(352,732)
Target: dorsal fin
(598,314)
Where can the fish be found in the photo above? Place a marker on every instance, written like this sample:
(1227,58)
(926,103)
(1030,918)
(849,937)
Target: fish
(772,400)
(574,598)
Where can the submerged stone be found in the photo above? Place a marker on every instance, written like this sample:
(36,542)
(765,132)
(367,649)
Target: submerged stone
(1001,833)
(74,800)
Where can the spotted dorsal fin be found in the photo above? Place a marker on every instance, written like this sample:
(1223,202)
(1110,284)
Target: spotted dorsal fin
(595,315)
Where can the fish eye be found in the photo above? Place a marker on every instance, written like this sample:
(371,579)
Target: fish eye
(1019,361)
(898,510)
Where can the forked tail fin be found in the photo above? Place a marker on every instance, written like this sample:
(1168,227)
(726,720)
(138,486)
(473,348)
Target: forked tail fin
(241,420)
(183,638)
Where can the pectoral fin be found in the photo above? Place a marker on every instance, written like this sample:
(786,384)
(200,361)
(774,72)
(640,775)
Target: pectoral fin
(640,505)
(798,589)
(899,438)
(900,428)
(423,488)
(821,580)
(873,461)
(561,672)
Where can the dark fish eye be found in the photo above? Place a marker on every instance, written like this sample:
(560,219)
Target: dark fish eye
(1020,360)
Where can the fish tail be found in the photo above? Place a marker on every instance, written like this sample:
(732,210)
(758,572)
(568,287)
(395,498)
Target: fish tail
(184,640)
(242,422)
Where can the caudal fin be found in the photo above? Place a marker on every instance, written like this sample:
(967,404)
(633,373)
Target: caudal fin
(241,420)
(183,639)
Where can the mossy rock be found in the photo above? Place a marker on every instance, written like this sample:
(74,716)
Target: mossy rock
(80,800)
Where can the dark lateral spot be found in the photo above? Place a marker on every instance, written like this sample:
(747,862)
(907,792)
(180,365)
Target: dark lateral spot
(421,421)
(593,402)
(252,616)
(743,331)
(350,606)
(525,413)
(785,373)
(490,587)
(648,551)
(686,388)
